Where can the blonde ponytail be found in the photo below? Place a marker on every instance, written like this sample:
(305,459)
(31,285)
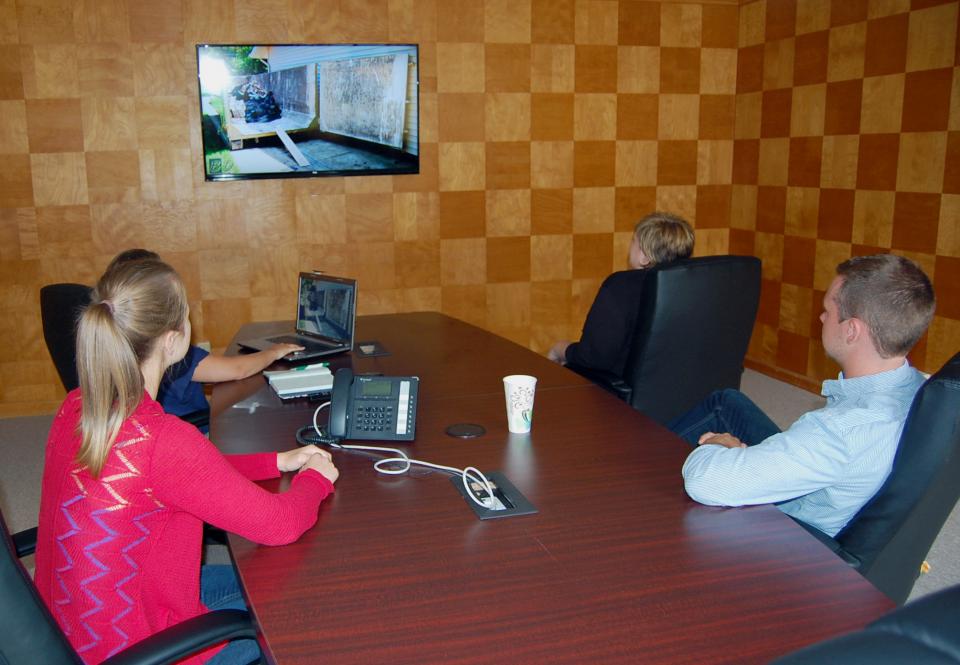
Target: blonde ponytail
(132,305)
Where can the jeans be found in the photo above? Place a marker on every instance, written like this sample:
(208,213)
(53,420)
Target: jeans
(725,411)
(220,590)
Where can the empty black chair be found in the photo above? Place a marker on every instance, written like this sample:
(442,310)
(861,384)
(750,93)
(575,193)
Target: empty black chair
(889,537)
(694,325)
(31,634)
(60,308)
(923,631)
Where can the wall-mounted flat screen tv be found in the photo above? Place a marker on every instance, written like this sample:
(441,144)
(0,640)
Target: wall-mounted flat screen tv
(301,110)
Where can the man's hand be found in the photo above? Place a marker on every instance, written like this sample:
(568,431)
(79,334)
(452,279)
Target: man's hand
(725,439)
(558,352)
(293,460)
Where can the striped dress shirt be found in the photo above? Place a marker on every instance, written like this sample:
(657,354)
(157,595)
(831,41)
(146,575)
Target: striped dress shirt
(826,466)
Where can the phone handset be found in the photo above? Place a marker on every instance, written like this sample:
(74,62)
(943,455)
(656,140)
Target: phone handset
(340,402)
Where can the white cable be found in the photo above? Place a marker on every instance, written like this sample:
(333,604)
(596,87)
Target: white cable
(405,462)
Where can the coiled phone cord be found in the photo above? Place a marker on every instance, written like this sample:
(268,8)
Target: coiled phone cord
(401,462)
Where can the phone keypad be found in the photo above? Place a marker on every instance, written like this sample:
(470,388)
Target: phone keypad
(374,418)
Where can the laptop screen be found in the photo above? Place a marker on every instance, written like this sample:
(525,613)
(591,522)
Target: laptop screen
(325,306)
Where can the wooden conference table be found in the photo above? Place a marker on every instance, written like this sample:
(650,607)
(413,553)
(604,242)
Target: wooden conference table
(618,565)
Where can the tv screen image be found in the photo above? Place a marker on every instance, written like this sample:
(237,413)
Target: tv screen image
(302,110)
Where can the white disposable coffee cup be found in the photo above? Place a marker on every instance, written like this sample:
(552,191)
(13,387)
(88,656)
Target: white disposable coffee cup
(519,390)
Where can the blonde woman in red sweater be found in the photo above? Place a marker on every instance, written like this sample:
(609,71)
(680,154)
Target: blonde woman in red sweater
(127,487)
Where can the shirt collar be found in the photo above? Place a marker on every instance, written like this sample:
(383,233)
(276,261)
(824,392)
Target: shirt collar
(843,387)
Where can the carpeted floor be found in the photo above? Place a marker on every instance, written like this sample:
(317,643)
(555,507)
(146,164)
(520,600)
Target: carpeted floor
(21,464)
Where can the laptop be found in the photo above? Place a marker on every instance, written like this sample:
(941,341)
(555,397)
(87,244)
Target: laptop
(326,314)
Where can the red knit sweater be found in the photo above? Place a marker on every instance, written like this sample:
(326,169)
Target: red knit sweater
(118,558)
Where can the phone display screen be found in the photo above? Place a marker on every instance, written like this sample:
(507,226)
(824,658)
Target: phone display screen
(376,388)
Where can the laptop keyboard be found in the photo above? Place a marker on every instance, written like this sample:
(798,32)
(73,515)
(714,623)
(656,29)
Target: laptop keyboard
(307,344)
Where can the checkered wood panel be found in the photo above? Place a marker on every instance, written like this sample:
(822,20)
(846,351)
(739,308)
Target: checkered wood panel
(846,143)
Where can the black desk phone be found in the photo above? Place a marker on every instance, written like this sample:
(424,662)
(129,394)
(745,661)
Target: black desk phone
(378,408)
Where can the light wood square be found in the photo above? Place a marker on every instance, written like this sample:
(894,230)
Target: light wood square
(461,67)
(552,67)
(159,69)
(166,175)
(423,299)
(679,117)
(221,224)
(551,257)
(416,216)
(160,122)
(881,8)
(932,37)
(369,217)
(838,165)
(718,71)
(596,22)
(507,21)
(551,164)
(162,22)
(808,107)
(636,163)
(882,105)
(507,116)
(803,208)
(595,116)
(711,242)
(13,129)
(813,15)
(214,21)
(463,261)
(948,234)
(921,163)
(105,70)
(954,122)
(941,341)
(109,123)
(224,273)
(743,207)
(374,264)
(678,199)
(593,210)
(847,48)
(59,178)
(271,219)
(638,69)
(748,114)
(272,273)
(113,177)
(769,248)
(550,303)
(321,219)
(220,317)
(714,162)
(167,226)
(830,254)
(50,71)
(462,166)
(680,24)
(753,23)
(778,64)
(796,308)
(774,161)
(508,212)
(873,218)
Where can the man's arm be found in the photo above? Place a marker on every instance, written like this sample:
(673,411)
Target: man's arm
(214,369)
(801,460)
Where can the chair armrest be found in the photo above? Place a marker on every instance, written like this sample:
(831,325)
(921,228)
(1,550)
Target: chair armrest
(606,380)
(25,542)
(187,638)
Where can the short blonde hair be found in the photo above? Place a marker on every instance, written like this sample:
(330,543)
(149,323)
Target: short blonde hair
(664,237)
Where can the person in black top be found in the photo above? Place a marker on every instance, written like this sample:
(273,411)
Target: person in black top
(659,238)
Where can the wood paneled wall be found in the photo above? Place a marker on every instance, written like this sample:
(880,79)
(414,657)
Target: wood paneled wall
(547,128)
(847,142)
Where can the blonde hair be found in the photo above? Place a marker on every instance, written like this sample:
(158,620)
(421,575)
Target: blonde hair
(664,238)
(130,308)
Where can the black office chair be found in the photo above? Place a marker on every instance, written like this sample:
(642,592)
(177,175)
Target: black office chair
(60,309)
(31,635)
(692,333)
(889,537)
(924,631)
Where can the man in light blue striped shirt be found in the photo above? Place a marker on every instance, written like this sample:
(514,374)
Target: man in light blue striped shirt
(830,462)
